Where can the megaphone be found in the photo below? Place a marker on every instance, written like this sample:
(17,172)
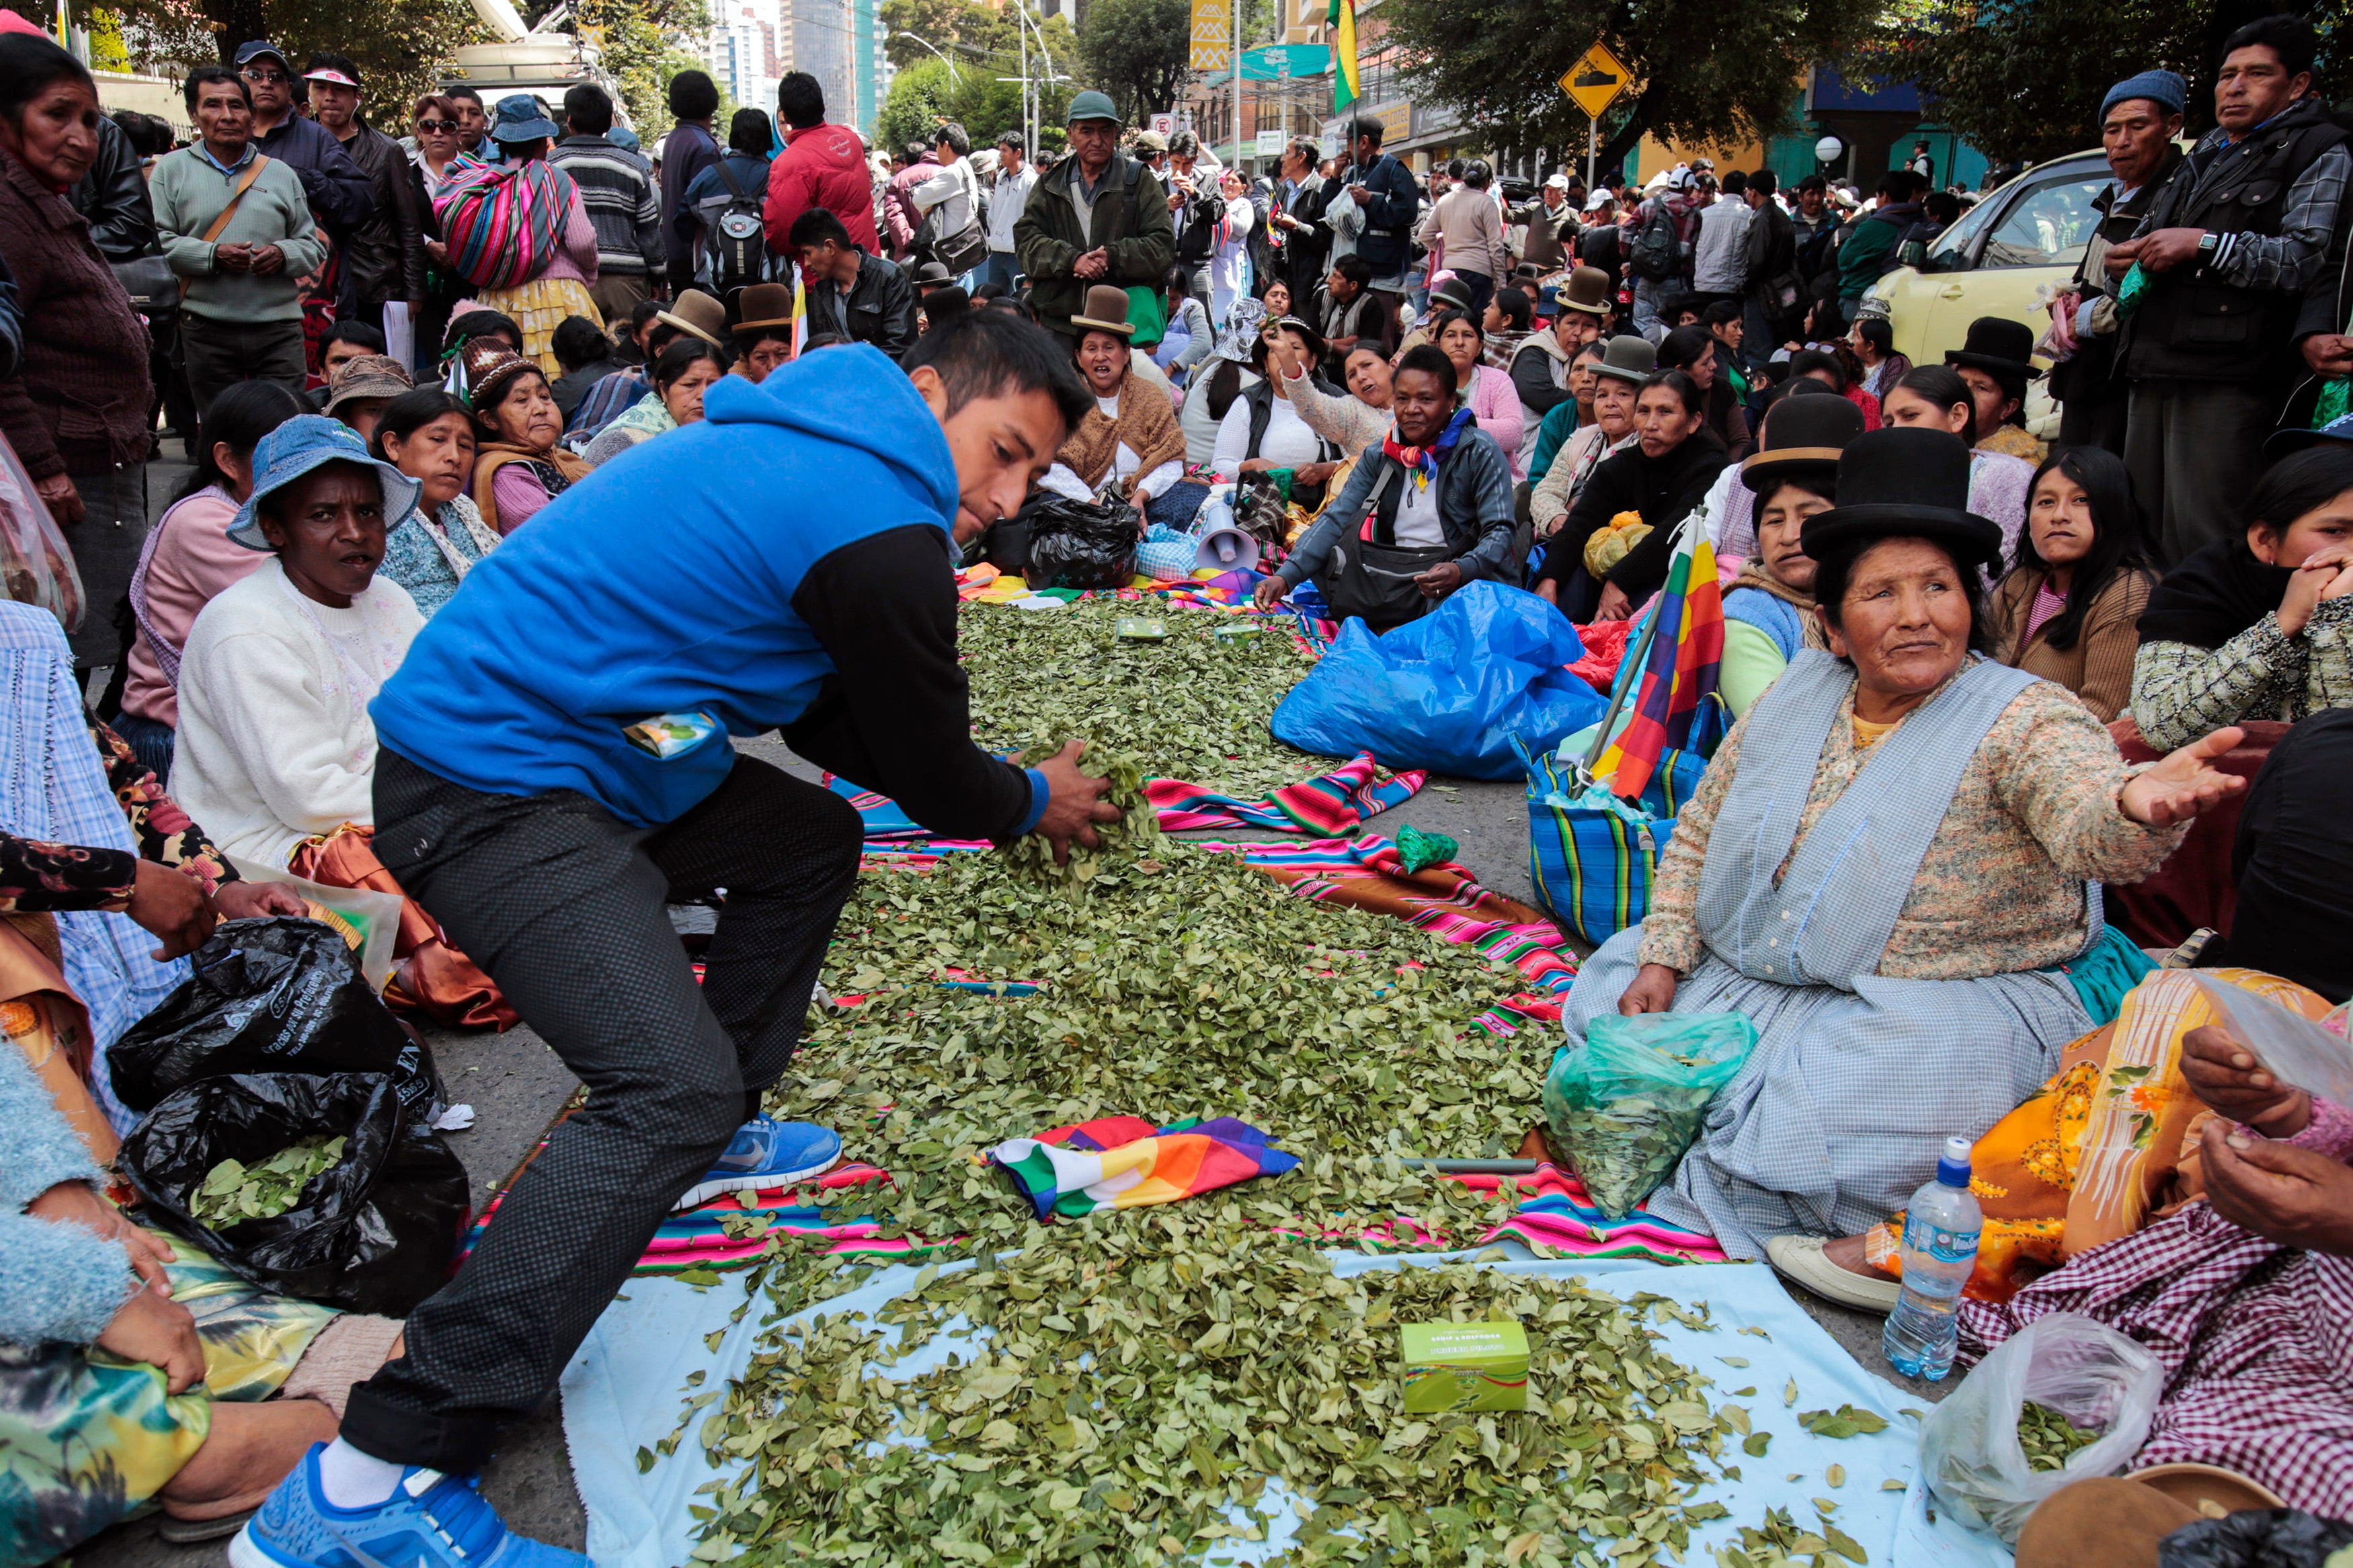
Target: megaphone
(1226,548)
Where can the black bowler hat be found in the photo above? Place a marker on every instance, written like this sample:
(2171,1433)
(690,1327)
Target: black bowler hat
(1998,346)
(1903,482)
(1803,437)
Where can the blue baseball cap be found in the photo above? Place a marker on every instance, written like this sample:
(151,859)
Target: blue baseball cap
(519,117)
(2162,88)
(306,442)
(622,136)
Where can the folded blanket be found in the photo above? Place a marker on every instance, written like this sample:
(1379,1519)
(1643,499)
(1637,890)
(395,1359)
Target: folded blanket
(1124,1163)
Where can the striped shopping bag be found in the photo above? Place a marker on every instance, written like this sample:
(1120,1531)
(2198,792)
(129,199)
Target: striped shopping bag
(503,224)
(1592,854)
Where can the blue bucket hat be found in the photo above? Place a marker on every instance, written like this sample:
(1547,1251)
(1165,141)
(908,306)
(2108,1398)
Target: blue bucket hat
(301,445)
(519,117)
(2162,88)
(2283,442)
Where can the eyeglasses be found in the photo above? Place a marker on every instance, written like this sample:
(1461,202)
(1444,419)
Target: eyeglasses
(436,127)
(264,78)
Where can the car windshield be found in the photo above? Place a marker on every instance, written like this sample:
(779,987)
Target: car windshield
(2048,226)
(1949,251)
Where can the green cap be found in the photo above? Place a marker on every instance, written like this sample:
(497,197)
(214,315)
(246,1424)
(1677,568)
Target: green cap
(1092,105)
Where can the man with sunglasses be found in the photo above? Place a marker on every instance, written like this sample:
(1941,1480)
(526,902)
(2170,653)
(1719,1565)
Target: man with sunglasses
(340,196)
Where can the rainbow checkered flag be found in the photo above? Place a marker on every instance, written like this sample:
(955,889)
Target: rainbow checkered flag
(1679,669)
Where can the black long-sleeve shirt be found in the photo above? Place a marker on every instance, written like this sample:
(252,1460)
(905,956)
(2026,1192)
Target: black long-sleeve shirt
(896,717)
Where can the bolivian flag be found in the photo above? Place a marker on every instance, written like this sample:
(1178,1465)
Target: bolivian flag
(1340,28)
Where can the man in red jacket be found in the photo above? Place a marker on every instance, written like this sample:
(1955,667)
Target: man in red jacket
(821,166)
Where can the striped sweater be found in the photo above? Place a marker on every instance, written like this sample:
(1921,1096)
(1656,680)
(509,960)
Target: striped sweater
(617,187)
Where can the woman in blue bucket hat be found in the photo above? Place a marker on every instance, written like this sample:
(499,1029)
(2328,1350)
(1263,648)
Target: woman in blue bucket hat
(275,738)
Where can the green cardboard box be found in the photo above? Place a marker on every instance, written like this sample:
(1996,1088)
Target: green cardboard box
(1464,1366)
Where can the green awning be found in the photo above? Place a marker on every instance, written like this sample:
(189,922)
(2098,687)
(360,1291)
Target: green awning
(1274,62)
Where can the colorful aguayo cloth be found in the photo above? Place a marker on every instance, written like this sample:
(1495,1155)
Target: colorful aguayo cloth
(1329,802)
(1124,1163)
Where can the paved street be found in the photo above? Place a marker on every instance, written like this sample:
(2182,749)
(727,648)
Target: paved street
(515,1083)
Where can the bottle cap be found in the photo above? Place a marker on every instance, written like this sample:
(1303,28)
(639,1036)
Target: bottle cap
(1953,1164)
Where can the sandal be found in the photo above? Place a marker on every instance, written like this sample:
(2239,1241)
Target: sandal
(1800,1259)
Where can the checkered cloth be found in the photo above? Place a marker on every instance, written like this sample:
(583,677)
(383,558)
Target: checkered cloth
(2257,1338)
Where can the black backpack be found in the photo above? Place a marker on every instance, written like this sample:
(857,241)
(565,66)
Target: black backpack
(1657,249)
(737,235)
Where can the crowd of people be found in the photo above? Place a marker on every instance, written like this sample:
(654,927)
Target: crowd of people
(1991,672)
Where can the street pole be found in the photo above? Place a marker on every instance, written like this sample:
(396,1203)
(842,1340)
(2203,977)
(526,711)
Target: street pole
(1236,164)
(1592,136)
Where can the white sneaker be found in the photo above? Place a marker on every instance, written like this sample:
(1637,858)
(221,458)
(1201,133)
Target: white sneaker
(1801,1258)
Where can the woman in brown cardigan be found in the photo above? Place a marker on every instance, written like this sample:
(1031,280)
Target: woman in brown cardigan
(2068,608)
(76,413)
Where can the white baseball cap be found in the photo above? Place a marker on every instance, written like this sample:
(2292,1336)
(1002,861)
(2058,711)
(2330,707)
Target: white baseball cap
(1557,183)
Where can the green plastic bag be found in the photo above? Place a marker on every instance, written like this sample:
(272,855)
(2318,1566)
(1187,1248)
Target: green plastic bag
(1623,1108)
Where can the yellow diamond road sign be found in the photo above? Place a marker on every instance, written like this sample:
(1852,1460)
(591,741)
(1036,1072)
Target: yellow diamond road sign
(1595,82)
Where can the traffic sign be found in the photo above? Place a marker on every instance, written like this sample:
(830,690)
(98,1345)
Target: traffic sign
(1165,124)
(1595,82)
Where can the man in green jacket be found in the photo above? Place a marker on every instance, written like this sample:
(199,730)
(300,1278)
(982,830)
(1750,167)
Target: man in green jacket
(241,318)
(1871,249)
(1098,217)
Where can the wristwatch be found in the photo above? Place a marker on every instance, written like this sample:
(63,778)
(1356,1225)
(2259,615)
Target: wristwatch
(2206,245)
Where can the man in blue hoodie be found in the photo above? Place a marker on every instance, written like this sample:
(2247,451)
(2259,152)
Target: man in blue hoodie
(556,766)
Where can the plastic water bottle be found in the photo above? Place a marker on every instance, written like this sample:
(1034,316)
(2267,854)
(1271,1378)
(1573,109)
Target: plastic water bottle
(1940,1248)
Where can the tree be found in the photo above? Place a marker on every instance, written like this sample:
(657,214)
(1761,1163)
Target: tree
(921,95)
(643,44)
(945,25)
(1707,72)
(1138,51)
(399,48)
(2024,82)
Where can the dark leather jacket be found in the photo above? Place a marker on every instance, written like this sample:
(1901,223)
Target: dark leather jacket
(879,309)
(113,197)
(387,249)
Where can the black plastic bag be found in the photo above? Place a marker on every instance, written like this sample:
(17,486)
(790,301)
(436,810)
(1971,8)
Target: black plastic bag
(2256,1538)
(1080,544)
(281,994)
(375,1233)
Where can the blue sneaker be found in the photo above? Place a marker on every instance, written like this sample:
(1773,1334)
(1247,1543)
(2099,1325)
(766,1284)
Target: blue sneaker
(767,1153)
(432,1521)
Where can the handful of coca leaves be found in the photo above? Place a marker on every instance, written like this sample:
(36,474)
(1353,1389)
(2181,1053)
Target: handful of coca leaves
(2049,1437)
(234,1192)
(1137,829)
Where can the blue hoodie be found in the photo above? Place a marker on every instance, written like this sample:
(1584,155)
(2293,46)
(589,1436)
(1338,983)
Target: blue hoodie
(784,563)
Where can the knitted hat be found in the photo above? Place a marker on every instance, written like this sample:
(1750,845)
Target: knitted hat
(486,369)
(304,443)
(2162,88)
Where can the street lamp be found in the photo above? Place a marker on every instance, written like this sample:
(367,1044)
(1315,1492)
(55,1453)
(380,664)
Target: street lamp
(903,33)
(1032,106)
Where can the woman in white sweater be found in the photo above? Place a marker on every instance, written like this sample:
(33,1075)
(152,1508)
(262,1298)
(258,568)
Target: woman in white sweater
(275,739)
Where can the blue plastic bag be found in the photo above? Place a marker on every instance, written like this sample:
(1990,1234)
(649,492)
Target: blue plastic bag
(1448,691)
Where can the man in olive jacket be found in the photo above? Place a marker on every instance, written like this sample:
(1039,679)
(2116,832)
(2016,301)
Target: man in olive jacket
(1098,217)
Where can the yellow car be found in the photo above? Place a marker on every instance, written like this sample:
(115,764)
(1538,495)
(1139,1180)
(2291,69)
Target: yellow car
(2020,242)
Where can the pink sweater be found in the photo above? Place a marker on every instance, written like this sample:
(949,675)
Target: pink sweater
(577,259)
(1496,402)
(189,560)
